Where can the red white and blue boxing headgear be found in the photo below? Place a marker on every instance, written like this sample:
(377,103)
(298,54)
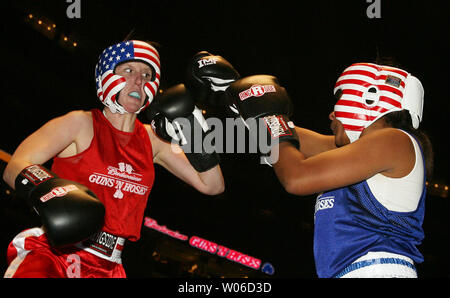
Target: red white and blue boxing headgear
(110,84)
(369,91)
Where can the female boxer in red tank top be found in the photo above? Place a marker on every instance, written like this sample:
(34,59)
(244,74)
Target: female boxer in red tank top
(113,154)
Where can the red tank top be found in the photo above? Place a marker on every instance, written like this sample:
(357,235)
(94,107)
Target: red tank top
(118,168)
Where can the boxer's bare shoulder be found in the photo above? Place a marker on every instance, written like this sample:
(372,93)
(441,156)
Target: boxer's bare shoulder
(79,124)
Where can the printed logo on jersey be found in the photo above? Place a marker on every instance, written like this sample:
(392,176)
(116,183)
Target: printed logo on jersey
(124,171)
(323,203)
(123,178)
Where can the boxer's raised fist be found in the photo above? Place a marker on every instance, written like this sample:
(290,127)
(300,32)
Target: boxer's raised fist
(179,121)
(207,73)
(265,107)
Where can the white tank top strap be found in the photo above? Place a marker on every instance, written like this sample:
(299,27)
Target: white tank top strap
(400,194)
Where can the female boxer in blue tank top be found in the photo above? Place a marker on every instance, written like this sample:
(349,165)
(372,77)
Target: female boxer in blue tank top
(370,175)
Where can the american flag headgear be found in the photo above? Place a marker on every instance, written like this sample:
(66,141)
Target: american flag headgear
(369,91)
(110,84)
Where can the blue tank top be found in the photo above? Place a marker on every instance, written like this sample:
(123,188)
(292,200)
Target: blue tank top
(349,222)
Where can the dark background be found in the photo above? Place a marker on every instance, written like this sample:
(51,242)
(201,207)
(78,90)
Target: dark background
(306,44)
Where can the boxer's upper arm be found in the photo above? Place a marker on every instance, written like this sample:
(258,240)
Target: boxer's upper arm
(43,144)
(342,166)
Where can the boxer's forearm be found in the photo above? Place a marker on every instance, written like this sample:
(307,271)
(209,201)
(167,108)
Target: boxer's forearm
(213,182)
(287,166)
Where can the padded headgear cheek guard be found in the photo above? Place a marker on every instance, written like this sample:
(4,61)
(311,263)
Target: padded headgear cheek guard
(109,84)
(369,91)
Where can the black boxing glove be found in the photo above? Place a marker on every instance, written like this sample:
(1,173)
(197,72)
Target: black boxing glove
(265,107)
(207,74)
(179,121)
(69,211)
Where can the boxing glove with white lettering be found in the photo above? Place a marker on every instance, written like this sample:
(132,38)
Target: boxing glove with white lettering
(69,211)
(207,74)
(176,119)
(265,107)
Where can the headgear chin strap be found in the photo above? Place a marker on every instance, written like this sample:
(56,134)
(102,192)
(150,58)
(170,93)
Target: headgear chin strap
(110,84)
(369,91)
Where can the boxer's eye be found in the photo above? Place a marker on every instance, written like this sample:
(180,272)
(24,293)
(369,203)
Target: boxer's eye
(125,70)
(147,76)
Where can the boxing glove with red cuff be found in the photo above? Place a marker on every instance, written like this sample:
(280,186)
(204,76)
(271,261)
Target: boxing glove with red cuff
(265,107)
